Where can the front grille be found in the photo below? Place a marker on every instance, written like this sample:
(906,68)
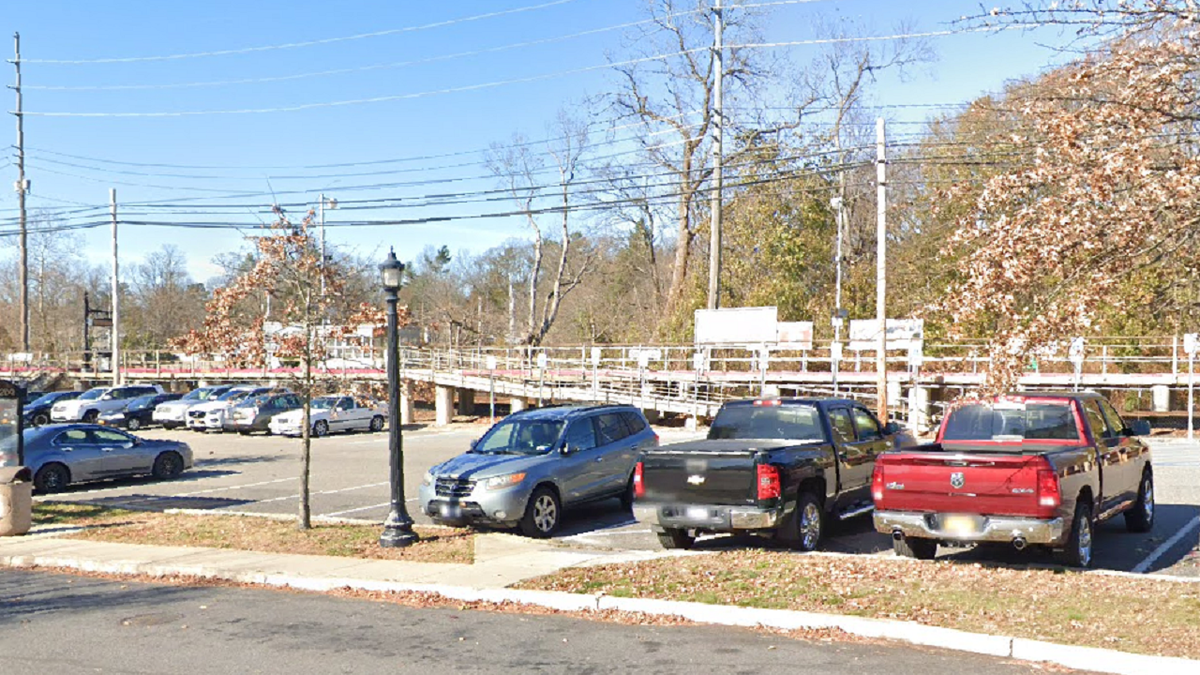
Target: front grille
(454,487)
(197,414)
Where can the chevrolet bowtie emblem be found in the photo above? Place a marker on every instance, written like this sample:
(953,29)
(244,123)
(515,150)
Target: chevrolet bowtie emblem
(695,480)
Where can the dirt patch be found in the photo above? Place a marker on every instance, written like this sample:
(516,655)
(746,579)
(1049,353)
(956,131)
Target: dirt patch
(249,533)
(1128,614)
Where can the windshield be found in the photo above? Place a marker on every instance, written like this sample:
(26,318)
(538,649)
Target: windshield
(324,402)
(47,399)
(520,437)
(141,403)
(800,423)
(234,395)
(92,394)
(201,394)
(1004,421)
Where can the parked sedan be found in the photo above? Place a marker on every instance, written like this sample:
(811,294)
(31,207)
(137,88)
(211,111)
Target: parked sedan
(62,454)
(532,464)
(137,414)
(37,411)
(255,413)
(331,414)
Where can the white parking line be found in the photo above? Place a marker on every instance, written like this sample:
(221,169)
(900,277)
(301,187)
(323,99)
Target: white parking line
(1166,546)
(322,492)
(234,487)
(363,508)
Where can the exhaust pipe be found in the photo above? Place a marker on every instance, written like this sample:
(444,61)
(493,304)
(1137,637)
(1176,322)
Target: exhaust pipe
(897,535)
(1019,543)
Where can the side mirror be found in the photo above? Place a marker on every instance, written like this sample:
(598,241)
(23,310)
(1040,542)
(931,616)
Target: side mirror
(475,442)
(567,449)
(892,428)
(1139,428)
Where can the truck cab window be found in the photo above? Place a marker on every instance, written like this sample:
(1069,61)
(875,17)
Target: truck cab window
(843,428)
(865,425)
(1096,420)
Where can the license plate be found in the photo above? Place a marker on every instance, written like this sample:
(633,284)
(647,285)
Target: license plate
(450,511)
(697,513)
(960,525)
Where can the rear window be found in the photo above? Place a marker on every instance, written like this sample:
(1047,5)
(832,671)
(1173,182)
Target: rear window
(1052,421)
(791,422)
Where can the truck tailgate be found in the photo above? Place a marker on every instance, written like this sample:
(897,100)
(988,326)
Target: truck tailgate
(945,482)
(702,472)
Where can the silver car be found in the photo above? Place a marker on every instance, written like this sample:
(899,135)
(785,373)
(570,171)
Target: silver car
(61,454)
(532,464)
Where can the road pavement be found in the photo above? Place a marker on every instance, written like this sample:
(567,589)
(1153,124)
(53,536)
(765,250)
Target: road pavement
(258,474)
(66,625)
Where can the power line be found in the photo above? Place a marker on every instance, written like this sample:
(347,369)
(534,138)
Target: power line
(297,45)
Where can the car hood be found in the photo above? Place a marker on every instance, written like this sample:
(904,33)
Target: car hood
(208,406)
(175,405)
(113,415)
(477,465)
(294,416)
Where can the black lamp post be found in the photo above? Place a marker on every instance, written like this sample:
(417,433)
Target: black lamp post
(398,528)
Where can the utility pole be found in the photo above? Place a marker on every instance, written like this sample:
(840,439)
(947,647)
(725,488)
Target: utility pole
(22,187)
(838,204)
(881,267)
(714,246)
(321,218)
(116,294)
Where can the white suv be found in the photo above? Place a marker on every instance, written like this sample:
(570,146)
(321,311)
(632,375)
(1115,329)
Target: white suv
(92,402)
(174,413)
(213,413)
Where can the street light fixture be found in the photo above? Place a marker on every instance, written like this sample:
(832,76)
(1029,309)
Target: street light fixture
(398,528)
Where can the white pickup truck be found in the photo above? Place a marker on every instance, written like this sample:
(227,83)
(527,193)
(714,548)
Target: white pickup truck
(92,402)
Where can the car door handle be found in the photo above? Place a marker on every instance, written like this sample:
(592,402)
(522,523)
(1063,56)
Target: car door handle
(599,459)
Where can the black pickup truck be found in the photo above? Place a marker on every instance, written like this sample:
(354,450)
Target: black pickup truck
(777,467)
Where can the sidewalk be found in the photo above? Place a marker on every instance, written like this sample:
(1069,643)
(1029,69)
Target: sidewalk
(502,560)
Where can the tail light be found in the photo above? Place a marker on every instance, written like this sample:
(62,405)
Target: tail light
(877,483)
(1049,495)
(768,482)
(639,488)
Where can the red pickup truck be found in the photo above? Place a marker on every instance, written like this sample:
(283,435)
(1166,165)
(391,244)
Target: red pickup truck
(1027,469)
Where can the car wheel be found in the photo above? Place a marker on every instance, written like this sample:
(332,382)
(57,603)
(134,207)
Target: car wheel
(627,497)
(243,432)
(168,465)
(543,513)
(915,547)
(674,538)
(51,478)
(810,522)
(320,428)
(134,424)
(41,419)
(377,423)
(90,416)
(1078,552)
(1140,517)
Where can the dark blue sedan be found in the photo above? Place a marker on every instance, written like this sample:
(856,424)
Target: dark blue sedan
(62,454)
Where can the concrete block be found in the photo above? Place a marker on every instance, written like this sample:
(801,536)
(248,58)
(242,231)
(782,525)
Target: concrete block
(517,404)
(444,405)
(1102,660)
(1161,395)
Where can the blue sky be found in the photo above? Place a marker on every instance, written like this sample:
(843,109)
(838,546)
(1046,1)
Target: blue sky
(204,159)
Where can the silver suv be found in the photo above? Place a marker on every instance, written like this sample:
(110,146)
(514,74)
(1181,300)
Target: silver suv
(532,464)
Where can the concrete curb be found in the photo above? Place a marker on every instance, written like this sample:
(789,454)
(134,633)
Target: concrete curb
(1083,658)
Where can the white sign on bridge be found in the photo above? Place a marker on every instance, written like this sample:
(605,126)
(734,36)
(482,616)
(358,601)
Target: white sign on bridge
(902,334)
(795,334)
(737,326)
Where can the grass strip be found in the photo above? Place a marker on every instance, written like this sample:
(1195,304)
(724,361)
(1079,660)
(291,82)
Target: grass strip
(250,533)
(1140,615)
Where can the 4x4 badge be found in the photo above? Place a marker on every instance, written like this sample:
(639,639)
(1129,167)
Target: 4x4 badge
(957,480)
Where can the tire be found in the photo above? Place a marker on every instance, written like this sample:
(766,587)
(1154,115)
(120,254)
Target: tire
(627,497)
(51,478)
(543,514)
(243,432)
(376,423)
(1140,517)
(168,465)
(90,416)
(134,424)
(673,538)
(41,419)
(809,522)
(320,428)
(1078,551)
(914,547)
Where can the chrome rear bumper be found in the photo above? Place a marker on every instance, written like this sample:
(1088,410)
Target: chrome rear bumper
(707,517)
(1004,529)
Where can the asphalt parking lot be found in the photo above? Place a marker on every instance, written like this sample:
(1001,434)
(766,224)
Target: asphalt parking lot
(259,474)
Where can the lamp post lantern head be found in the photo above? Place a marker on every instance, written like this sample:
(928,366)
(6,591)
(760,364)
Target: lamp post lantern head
(392,272)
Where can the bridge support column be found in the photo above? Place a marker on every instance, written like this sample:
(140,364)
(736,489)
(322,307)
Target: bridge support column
(466,401)
(918,409)
(444,405)
(407,407)
(651,416)
(516,405)
(1161,394)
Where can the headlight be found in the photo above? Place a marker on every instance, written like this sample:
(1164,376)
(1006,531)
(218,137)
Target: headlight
(501,482)
(427,479)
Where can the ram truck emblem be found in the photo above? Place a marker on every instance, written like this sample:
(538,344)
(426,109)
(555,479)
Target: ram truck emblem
(695,480)
(957,480)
